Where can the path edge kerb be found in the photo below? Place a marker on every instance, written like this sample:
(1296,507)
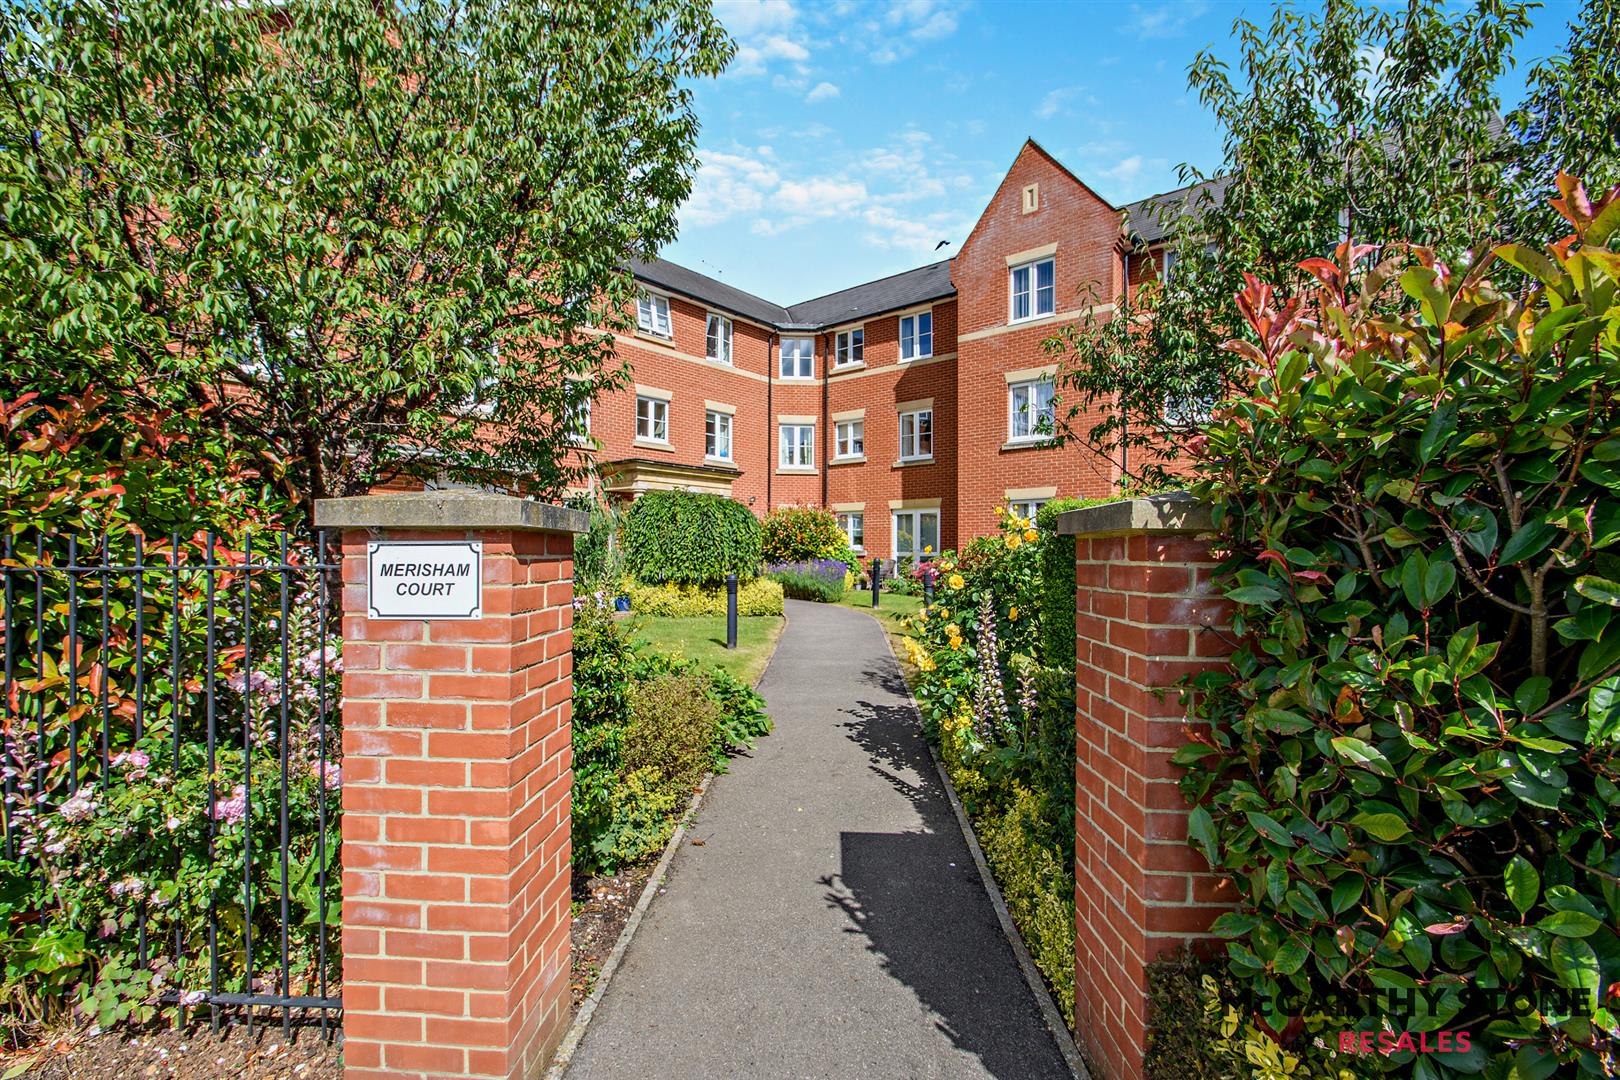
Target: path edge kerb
(1050,1013)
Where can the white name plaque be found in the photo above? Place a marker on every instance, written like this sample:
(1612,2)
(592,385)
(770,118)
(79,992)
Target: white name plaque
(425,579)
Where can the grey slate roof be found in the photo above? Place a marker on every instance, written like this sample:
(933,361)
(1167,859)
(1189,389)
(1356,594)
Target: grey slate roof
(710,291)
(931,282)
(1142,217)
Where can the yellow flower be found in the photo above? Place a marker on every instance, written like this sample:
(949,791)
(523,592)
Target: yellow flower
(953,630)
(1013,541)
(955,581)
(956,643)
(943,612)
(928,549)
(1012,613)
(1030,536)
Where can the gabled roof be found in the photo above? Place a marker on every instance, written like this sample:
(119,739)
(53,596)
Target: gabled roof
(1143,217)
(708,290)
(931,282)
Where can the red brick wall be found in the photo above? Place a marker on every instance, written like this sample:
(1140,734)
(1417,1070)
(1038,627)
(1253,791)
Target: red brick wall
(457,769)
(1087,271)
(884,383)
(1144,618)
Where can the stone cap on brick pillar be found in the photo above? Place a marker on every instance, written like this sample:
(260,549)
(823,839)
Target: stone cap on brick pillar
(1171,512)
(447,510)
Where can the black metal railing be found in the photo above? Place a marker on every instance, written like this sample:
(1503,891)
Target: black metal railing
(171,771)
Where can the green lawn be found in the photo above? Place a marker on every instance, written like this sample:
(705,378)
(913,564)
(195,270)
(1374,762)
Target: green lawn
(704,640)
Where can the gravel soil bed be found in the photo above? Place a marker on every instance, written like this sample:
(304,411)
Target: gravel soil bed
(192,1053)
(602,905)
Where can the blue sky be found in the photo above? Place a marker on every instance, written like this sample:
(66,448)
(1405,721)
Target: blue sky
(850,136)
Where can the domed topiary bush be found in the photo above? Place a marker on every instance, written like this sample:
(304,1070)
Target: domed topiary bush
(687,538)
(803,534)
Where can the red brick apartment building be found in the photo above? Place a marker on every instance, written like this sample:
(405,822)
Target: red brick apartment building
(910,406)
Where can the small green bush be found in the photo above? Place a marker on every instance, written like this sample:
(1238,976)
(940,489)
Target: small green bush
(598,552)
(687,538)
(802,534)
(1037,885)
(761,596)
(673,722)
(1057,584)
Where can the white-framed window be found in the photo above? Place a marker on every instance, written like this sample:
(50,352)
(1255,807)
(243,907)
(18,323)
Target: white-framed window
(717,339)
(1167,263)
(1026,508)
(916,534)
(652,314)
(1030,413)
(917,435)
(798,449)
(917,335)
(717,435)
(849,348)
(1189,411)
(579,421)
(1032,290)
(652,419)
(849,438)
(798,358)
(853,523)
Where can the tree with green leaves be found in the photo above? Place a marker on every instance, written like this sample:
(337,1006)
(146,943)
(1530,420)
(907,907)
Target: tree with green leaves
(1351,119)
(1570,119)
(368,238)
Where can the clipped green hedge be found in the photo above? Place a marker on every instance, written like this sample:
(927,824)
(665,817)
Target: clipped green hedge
(760,596)
(687,538)
(1057,583)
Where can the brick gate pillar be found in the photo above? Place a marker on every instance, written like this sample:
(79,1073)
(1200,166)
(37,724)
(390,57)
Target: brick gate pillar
(1144,618)
(457,766)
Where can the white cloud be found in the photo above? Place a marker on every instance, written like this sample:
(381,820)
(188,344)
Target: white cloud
(819,197)
(745,18)
(898,30)
(1055,100)
(727,185)
(822,91)
(753,57)
(1165,19)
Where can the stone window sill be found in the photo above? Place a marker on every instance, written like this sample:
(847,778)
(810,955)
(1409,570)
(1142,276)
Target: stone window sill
(653,444)
(796,470)
(904,463)
(854,459)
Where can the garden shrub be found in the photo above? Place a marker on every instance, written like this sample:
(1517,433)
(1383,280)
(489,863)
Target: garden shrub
(87,863)
(628,789)
(1057,638)
(760,596)
(598,552)
(1037,884)
(1410,772)
(820,579)
(1196,1032)
(689,538)
(672,728)
(804,534)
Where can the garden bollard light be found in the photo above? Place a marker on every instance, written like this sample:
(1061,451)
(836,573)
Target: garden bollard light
(731,611)
(928,591)
(877,580)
